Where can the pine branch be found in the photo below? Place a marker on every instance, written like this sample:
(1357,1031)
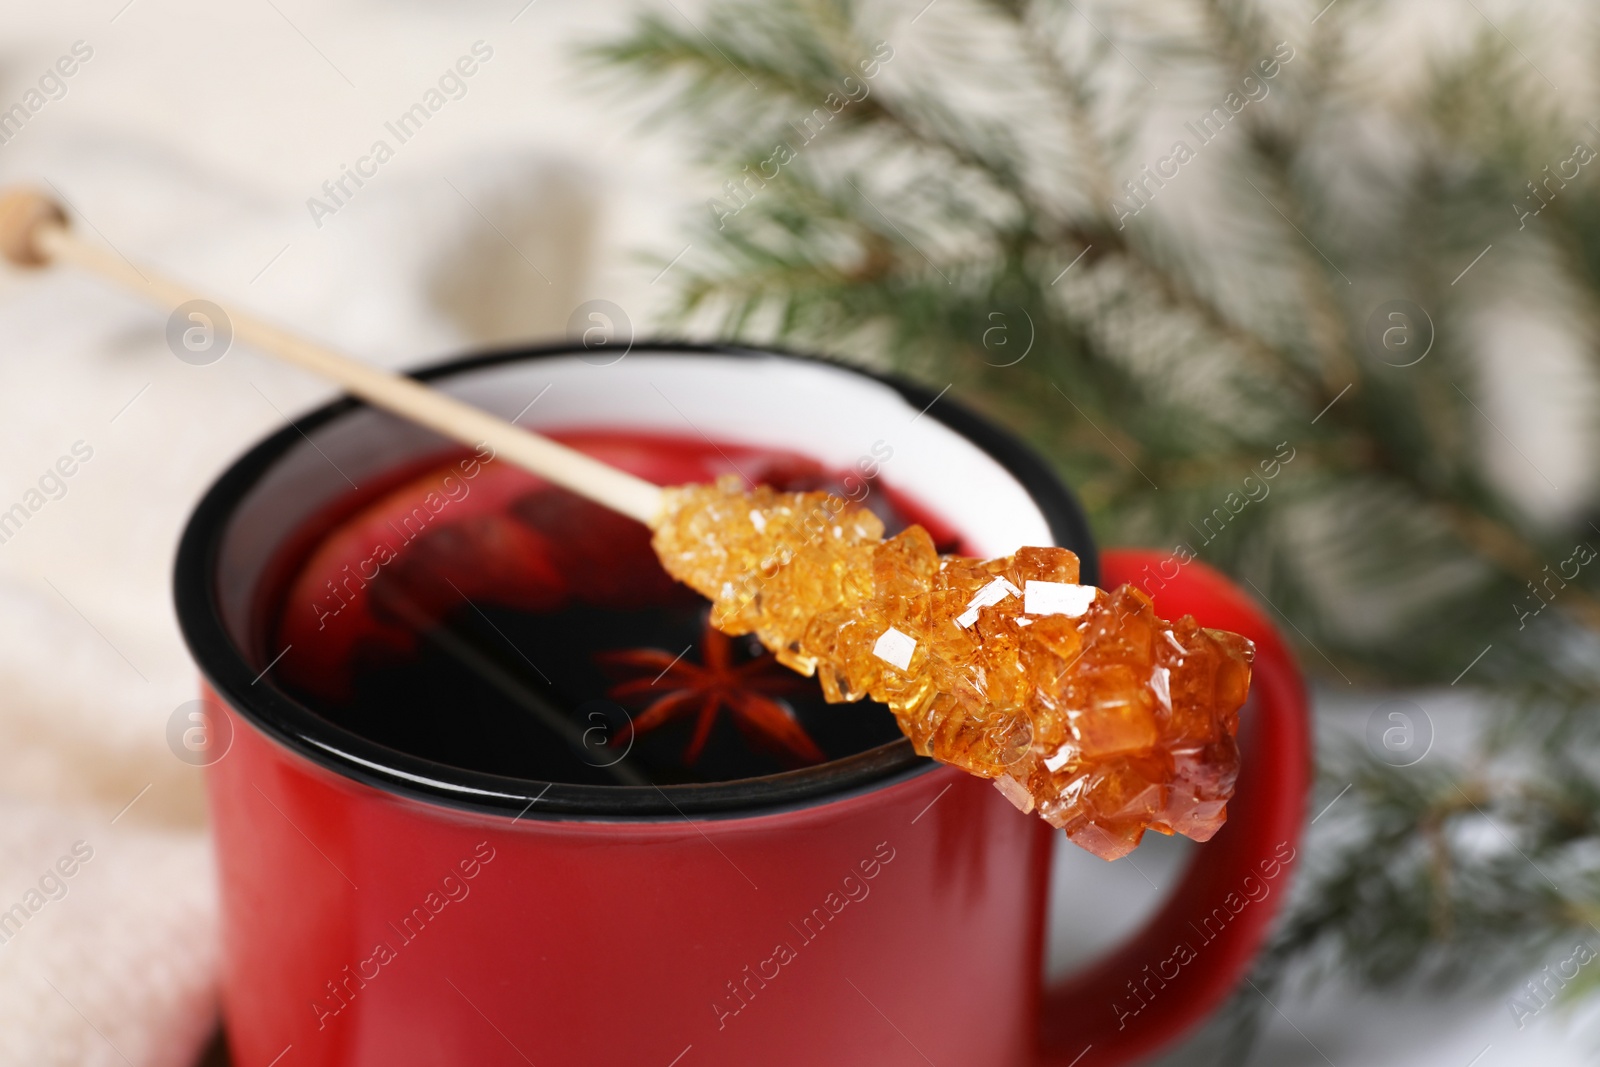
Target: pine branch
(1166,367)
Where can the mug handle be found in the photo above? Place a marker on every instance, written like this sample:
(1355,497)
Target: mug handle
(1189,957)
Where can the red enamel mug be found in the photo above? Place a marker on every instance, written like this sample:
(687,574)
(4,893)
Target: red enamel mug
(381,909)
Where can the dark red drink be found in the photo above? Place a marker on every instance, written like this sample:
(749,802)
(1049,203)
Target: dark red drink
(474,614)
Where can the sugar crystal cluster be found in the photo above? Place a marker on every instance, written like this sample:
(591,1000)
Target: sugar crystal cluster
(1078,703)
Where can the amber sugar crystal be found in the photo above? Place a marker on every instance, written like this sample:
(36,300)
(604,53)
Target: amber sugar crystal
(1078,703)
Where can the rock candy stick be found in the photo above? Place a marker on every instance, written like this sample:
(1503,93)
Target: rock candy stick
(1079,704)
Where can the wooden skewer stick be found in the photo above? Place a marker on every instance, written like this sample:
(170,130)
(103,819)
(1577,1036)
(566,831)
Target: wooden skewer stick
(34,233)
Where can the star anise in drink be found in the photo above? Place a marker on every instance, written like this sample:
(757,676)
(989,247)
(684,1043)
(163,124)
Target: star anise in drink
(675,687)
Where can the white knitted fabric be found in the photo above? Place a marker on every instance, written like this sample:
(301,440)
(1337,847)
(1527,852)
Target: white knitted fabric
(114,963)
(117,964)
